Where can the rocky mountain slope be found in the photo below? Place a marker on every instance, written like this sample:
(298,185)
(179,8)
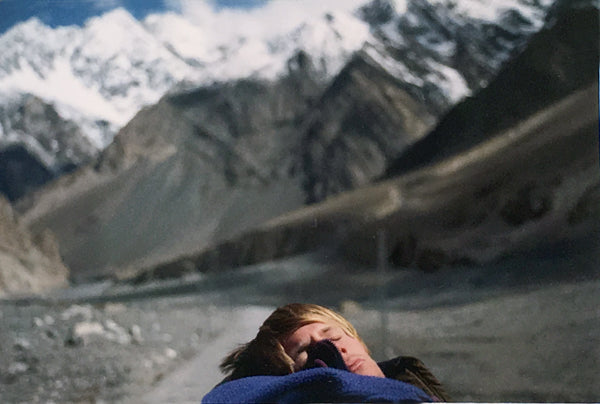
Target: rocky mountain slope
(363,120)
(29,263)
(196,167)
(439,51)
(207,164)
(517,192)
(534,182)
(215,161)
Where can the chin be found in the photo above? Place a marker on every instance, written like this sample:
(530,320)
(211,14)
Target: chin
(367,368)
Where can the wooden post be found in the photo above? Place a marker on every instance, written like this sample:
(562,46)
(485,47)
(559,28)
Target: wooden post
(382,292)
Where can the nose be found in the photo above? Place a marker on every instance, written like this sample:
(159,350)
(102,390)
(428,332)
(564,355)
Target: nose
(340,347)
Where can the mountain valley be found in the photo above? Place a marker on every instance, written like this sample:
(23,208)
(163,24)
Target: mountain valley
(217,164)
(428,168)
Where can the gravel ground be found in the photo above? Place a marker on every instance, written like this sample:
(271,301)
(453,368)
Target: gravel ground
(107,352)
(540,346)
(526,332)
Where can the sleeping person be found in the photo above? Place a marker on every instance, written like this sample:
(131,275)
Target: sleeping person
(310,353)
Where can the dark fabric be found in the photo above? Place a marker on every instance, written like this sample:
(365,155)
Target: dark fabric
(322,384)
(411,370)
(325,354)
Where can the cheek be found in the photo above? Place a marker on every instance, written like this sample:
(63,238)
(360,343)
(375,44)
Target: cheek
(356,347)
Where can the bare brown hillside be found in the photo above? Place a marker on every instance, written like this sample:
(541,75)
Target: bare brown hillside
(28,263)
(531,185)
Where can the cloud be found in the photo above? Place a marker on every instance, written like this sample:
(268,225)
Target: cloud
(274,17)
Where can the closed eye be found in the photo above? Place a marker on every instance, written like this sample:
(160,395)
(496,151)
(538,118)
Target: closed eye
(334,334)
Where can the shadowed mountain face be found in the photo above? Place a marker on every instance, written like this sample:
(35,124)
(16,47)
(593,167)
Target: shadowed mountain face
(39,145)
(20,172)
(430,35)
(362,121)
(507,170)
(558,61)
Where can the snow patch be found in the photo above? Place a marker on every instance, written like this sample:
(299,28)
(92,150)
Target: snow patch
(66,91)
(31,144)
(186,39)
(400,6)
(393,66)
(449,80)
(273,19)
(493,10)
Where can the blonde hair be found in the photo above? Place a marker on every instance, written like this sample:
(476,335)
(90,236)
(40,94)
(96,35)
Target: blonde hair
(265,355)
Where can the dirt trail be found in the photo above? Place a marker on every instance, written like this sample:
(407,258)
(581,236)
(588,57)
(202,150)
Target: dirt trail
(192,381)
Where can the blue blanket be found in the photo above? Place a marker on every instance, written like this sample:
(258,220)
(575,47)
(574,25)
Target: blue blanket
(315,385)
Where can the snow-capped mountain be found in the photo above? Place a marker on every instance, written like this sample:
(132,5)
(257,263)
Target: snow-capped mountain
(118,64)
(204,165)
(443,50)
(99,75)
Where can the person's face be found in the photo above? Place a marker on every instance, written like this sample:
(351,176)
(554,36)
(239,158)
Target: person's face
(353,352)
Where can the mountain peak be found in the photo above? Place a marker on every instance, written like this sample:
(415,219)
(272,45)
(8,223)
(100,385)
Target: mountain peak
(33,24)
(27,32)
(118,16)
(117,32)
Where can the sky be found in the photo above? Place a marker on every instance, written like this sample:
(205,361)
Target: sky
(76,12)
(229,19)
